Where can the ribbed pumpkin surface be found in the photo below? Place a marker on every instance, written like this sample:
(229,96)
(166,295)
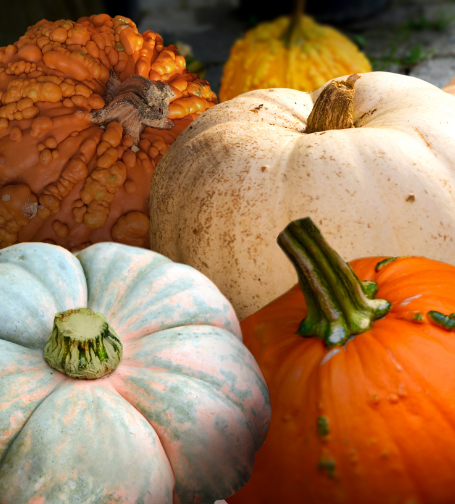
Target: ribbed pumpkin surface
(178,421)
(372,421)
(261,60)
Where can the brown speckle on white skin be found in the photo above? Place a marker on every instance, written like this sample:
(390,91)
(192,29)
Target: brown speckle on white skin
(213,176)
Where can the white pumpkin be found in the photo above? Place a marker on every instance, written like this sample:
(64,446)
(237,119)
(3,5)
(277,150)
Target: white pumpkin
(244,169)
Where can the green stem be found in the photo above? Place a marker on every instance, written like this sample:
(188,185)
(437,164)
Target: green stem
(339,304)
(83,345)
(293,34)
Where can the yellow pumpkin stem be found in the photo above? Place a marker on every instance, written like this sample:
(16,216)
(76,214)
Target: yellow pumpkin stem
(293,34)
(334,108)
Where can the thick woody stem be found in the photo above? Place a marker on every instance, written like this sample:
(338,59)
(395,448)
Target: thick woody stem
(135,103)
(334,108)
(83,345)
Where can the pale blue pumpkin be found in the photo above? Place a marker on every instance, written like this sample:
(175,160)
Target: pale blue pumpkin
(178,421)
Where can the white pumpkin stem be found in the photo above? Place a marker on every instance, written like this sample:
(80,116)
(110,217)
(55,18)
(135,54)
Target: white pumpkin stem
(83,345)
(334,108)
(339,304)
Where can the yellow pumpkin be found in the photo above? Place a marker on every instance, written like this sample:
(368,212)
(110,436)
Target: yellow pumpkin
(295,53)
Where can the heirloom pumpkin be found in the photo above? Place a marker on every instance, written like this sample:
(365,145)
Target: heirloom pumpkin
(290,52)
(87,110)
(359,363)
(383,184)
(178,421)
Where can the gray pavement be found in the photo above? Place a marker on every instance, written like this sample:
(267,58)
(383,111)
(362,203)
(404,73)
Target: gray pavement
(413,37)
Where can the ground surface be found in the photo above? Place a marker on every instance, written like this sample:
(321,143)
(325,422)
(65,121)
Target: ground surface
(415,37)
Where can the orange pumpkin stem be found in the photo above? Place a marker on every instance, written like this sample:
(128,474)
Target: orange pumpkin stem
(339,304)
(135,103)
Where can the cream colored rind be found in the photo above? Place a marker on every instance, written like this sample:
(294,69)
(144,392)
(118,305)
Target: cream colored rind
(245,169)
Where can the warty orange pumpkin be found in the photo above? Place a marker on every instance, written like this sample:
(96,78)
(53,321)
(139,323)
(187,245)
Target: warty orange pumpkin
(87,110)
(358,359)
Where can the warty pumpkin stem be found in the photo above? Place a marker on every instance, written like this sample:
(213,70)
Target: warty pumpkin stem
(339,304)
(334,107)
(135,103)
(293,35)
(83,345)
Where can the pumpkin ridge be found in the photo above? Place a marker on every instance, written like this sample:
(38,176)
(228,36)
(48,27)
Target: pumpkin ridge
(22,348)
(30,376)
(331,414)
(43,289)
(149,278)
(416,377)
(323,397)
(189,318)
(425,296)
(387,431)
(166,439)
(213,392)
(205,378)
(35,276)
(423,385)
(300,346)
(390,432)
(10,444)
(72,416)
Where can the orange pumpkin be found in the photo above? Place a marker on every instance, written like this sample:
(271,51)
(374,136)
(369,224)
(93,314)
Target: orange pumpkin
(450,87)
(363,390)
(87,110)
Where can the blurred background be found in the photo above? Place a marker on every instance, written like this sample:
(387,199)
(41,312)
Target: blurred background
(413,37)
